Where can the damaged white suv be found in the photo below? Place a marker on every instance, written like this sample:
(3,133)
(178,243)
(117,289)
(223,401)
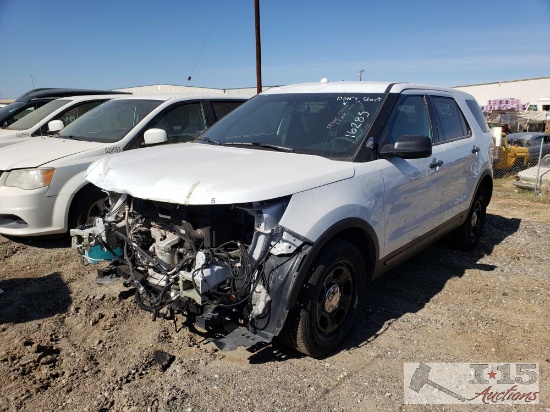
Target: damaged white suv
(274,221)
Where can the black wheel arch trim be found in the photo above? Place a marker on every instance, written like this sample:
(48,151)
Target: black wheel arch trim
(370,241)
(487,173)
(286,274)
(81,191)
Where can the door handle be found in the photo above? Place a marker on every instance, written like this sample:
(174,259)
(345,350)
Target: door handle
(436,163)
(475,149)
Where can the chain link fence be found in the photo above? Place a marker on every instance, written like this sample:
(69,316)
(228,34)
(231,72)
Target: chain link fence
(519,151)
(521,156)
(521,145)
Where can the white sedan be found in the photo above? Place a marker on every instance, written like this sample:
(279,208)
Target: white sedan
(526,179)
(42,185)
(35,124)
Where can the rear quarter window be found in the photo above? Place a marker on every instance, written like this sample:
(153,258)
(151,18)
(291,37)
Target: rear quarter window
(476,111)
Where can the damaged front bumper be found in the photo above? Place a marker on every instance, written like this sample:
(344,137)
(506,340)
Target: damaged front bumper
(228,269)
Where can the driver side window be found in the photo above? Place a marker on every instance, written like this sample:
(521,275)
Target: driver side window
(410,117)
(182,123)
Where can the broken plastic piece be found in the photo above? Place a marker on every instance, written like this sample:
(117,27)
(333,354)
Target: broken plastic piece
(239,337)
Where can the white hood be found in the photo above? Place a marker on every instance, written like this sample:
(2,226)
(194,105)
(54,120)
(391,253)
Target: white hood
(12,140)
(6,133)
(199,174)
(8,137)
(37,151)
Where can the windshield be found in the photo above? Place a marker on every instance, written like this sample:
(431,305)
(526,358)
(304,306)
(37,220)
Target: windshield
(520,142)
(36,115)
(325,124)
(111,121)
(8,111)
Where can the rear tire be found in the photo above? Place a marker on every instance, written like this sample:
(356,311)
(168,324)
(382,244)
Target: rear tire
(467,236)
(329,301)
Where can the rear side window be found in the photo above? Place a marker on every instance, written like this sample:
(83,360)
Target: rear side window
(451,122)
(222,108)
(478,114)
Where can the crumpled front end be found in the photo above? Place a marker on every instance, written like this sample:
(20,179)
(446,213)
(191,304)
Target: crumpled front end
(228,268)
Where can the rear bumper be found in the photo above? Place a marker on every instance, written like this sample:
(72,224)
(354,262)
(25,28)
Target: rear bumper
(544,187)
(524,185)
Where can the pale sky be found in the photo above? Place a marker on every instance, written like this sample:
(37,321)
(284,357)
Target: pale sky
(123,43)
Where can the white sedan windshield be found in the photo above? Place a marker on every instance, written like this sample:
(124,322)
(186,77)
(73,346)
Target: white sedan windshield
(35,116)
(111,121)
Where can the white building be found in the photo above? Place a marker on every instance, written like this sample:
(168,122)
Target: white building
(520,92)
(171,88)
(524,91)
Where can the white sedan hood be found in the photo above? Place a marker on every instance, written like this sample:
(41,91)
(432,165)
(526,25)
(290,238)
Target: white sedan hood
(7,133)
(14,140)
(38,151)
(199,174)
(9,137)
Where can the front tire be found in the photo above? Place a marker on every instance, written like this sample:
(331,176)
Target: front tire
(86,205)
(329,301)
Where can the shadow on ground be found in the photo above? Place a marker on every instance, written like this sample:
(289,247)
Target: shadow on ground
(27,299)
(42,242)
(409,287)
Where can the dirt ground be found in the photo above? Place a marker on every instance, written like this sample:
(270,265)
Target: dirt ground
(67,343)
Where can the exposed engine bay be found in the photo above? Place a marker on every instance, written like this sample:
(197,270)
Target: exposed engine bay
(218,265)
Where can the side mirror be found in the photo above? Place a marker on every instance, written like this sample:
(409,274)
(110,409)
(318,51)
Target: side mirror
(55,126)
(154,136)
(408,147)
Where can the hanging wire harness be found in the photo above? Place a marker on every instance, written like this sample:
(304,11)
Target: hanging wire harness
(196,260)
